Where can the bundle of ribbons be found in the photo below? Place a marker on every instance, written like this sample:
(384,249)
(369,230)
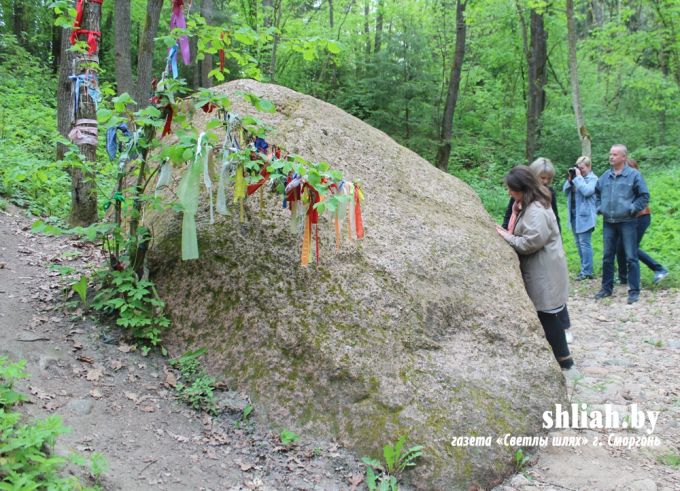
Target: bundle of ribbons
(299,196)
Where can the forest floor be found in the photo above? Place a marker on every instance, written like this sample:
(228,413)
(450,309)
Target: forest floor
(122,404)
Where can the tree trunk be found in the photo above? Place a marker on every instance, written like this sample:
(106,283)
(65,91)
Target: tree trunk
(19,21)
(56,48)
(379,26)
(536,64)
(583,134)
(122,59)
(330,13)
(444,150)
(206,63)
(277,13)
(267,13)
(83,184)
(367,30)
(145,52)
(64,91)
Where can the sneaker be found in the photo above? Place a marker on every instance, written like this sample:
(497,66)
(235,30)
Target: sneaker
(601,294)
(623,281)
(660,275)
(582,277)
(569,336)
(633,297)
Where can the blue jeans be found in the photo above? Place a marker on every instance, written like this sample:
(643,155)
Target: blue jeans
(643,223)
(585,250)
(627,233)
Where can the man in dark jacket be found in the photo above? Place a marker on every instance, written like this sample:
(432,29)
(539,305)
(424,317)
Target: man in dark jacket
(621,193)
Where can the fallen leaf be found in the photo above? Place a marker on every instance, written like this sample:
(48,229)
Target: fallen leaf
(94,374)
(355,480)
(53,406)
(77,346)
(148,409)
(96,393)
(132,396)
(125,348)
(170,379)
(246,467)
(116,365)
(85,359)
(40,394)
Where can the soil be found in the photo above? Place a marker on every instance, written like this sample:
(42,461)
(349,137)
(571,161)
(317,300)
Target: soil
(123,405)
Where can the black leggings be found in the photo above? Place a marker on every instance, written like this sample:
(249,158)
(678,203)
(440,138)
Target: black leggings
(554,326)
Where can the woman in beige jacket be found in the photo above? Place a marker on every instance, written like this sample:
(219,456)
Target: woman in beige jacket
(534,234)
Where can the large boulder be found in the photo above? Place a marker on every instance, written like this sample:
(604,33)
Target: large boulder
(422,329)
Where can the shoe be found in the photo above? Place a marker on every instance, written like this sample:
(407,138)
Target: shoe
(660,275)
(582,277)
(633,297)
(569,336)
(601,294)
(623,281)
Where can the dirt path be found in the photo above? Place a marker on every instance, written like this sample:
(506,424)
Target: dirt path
(119,403)
(625,355)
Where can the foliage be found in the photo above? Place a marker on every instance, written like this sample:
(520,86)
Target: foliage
(385,476)
(671,460)
(135,303)
(195,387)
(288,437)
(28,175)
(521,459)
(26,461)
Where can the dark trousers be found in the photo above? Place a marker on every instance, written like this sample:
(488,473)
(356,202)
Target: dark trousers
(612,233)
(553,327)
(643,222)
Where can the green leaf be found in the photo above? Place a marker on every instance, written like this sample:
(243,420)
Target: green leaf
(287,437)
(80,287)
(333,47)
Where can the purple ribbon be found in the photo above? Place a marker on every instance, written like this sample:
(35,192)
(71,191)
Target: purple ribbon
(177,21)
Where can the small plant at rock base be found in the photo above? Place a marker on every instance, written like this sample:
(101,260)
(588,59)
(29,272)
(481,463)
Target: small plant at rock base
(135,303)
(521,459)
(195,387)
(288,437)
(385,476)
(670,460)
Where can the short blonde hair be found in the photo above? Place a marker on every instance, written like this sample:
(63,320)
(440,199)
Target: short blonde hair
(542,166)
(584,160)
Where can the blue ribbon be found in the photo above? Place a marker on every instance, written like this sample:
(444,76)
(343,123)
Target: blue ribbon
(112,139)
(171,63)
(87,79)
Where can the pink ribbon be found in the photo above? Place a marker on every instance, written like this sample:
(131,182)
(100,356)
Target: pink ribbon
(177,21)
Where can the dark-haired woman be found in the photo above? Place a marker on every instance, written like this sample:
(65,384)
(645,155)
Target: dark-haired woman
(534,234)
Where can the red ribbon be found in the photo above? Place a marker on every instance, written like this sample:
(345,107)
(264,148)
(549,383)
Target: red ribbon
(222,54)
(79,11)
(359,223)
(254,187)
(79,14)
(168,120)
(91,39)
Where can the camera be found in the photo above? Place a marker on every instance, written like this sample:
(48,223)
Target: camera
(572,172)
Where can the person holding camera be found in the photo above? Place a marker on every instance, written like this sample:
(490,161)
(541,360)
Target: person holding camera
(581,210)
(621,193)
(533,233)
